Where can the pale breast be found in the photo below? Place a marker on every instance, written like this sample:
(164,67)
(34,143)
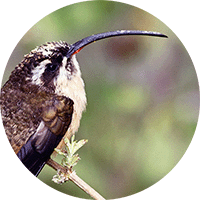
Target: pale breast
(72,87)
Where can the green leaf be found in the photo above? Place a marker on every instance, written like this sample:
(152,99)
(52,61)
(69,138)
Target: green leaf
(70,159)
(79,145)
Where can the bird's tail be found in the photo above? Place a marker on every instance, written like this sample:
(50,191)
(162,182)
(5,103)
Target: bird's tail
(35,160)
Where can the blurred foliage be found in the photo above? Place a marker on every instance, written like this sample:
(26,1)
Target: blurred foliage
(142,92)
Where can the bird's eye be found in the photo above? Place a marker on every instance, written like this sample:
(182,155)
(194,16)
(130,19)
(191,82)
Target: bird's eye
(51,67)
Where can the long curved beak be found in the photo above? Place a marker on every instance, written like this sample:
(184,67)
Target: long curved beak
(77,46)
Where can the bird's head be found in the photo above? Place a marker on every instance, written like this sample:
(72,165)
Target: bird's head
(54,61)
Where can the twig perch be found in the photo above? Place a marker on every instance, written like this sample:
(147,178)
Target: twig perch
(71,175)
(70,159)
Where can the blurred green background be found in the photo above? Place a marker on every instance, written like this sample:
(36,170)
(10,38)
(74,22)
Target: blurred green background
(142,93)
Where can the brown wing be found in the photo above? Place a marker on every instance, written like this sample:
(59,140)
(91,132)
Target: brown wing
(56,117)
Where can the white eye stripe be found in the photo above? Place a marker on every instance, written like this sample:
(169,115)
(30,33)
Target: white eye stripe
(38,71)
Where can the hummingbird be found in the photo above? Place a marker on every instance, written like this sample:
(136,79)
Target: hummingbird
(43,100)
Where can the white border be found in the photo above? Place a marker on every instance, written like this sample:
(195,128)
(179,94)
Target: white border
(183,18)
